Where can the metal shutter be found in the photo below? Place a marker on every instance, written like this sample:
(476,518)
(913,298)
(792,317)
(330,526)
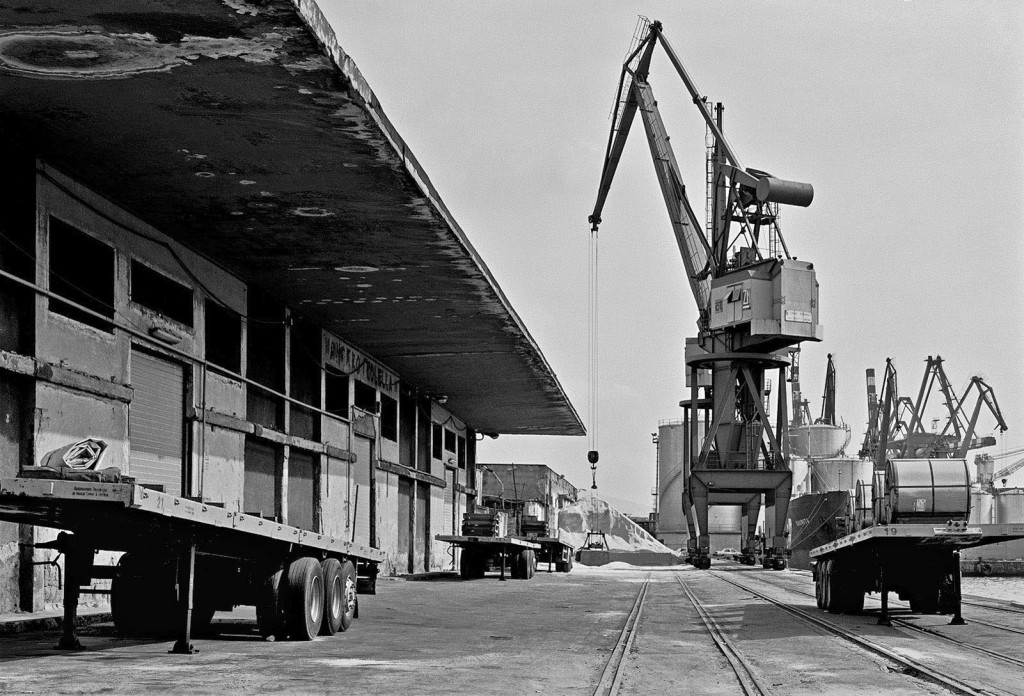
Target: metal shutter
(359,496)
(301,490)
(156,422)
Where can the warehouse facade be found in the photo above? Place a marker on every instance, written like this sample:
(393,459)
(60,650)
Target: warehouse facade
(231,271)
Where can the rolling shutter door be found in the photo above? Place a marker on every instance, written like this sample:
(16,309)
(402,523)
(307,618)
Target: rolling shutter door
(156,422)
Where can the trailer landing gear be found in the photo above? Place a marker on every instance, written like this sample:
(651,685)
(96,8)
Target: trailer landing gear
(77,572)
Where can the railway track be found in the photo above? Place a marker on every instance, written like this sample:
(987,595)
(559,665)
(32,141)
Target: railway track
(745,674)
(611,676)
(908,664)
(913,627)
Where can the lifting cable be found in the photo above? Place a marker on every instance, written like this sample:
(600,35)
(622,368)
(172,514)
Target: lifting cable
(592,366)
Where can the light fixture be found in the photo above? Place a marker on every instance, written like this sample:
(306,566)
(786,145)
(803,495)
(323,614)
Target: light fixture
(441,399)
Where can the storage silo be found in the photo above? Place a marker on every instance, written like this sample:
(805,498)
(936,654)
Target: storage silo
(671,484)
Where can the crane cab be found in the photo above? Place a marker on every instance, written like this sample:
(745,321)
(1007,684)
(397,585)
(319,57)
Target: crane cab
(777,299)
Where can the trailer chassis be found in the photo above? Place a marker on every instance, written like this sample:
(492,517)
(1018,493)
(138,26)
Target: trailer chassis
(174,541)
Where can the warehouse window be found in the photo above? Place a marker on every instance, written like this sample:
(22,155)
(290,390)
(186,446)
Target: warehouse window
(365,397)
(82,270)
(163,295)
(336,394)
(223,336)
(462,452)
(305,380)
(388,418)
(265,361)
(437,441)
(449,441)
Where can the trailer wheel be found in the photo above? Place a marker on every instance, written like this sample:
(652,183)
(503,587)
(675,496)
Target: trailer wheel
(350,602)
(466,570)
(826,584)
(517,566)
(270,606)
(142,597)
(532,565)
(334,596)
(819,587)
(305,598)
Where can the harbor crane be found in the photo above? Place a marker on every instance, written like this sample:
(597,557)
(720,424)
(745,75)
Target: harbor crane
(755,302)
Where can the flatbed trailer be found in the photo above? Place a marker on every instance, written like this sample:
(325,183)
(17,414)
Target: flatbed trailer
(480,552)
(920,562)
(185,559)
(554,552)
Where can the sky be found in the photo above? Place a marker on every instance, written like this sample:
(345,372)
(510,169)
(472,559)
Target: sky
(906,116)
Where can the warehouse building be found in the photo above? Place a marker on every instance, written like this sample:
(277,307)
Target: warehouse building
(219,258)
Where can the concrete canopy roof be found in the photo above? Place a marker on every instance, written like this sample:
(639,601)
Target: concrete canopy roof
(243,130)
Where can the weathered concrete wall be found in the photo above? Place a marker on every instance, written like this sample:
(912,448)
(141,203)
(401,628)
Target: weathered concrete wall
(387,524)
(223,478)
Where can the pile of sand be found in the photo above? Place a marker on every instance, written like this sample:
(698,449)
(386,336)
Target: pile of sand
(593,514)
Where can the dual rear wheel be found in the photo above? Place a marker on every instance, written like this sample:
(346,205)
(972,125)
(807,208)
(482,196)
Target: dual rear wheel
(308,598)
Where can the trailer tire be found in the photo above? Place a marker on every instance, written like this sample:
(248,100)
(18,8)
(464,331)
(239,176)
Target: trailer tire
(826,585)
(984,569)
(142,597)
(516,566)
(466,570)
(304,598)
(819,588)
(334,596)
(531,564)
(270,618)
(350,601)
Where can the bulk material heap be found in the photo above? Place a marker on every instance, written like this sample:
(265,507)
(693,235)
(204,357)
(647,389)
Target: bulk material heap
(755,302)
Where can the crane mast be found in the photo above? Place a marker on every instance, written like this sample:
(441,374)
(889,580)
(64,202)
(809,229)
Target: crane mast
(755,302)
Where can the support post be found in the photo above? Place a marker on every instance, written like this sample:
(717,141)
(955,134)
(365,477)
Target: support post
(958,619)
(186,593)
(501,555)
(883,618)
(77,571)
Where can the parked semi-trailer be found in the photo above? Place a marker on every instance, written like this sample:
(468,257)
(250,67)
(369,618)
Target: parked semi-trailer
(905,539)
(515,526)
(183,560)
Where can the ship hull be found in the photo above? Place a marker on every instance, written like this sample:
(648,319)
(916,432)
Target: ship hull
(814,519)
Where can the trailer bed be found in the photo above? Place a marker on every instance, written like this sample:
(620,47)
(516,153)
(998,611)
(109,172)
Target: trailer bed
(460,540)
(954,536)
(121,513)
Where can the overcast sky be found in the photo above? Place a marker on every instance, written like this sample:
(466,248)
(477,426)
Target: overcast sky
(906,116)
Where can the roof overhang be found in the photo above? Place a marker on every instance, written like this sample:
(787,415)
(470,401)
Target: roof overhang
(243,130)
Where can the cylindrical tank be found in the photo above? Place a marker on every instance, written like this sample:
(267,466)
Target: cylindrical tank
(982,507)
(818,440)
(927,489)
(863,513)
(1009,505)
(837,474)
(671,484)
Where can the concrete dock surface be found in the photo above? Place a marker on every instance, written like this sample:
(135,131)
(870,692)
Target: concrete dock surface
(594,630)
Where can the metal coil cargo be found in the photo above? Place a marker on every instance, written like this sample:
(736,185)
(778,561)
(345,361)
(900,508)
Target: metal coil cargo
(877,495)
(863,512)
(1009,505)
(927,489)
